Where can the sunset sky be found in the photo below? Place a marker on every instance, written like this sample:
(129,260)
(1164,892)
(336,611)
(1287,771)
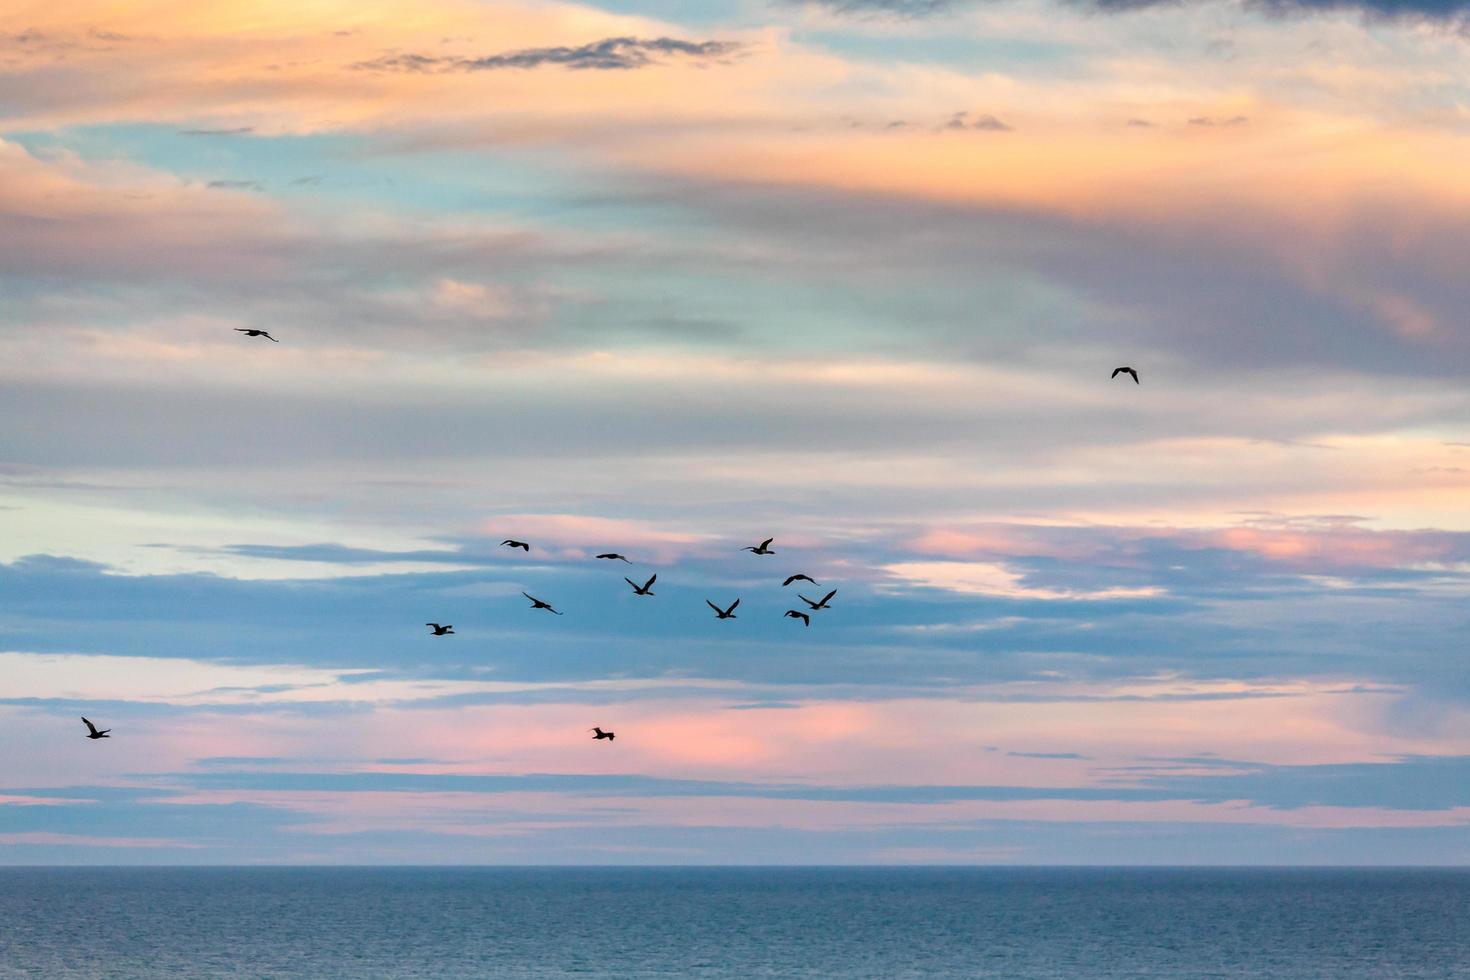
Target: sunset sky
(668,278)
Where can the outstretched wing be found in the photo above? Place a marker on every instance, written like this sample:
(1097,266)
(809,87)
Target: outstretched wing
(632,583)
(713,606)
(90,727)
(530,596)
(732,606)
(767,542)
(649,584)
(828,597)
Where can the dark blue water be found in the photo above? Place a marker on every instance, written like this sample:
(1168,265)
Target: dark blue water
(734,923)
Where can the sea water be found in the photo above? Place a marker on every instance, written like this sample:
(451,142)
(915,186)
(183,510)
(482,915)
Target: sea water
(1019,924)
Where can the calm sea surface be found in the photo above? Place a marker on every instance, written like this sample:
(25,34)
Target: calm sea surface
(736,923)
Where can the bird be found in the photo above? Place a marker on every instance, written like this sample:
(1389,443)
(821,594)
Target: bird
(247,331)
(1125,370)
(508,543)
(799,578)
(723,613)
(615,557)
(641,589)
(793,614)
(818,605)
(764,548)
(602,734)
(92,731)
(538,604)
(440,630)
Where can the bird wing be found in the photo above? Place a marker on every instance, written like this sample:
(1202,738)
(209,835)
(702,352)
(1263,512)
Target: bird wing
(1135,375)
(241,330)
(806,600)
(1116,372)
(828,597)
(530,596)
(632,583)
(767,542)
(90,727)
(651,579)
(713,606)
(732,606)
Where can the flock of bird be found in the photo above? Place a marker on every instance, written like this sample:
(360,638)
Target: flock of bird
(646,589)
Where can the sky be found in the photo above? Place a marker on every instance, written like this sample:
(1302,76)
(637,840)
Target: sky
(667,279)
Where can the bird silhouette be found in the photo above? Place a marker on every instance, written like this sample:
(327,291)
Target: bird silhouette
(641,589)
(92,731)
(723,613)
(793,614)
(764,548)
(538,604)
(440,630)
(615,557)
(799,578)
(256,333)
(1125,370)
(508,543)
(818,605)
(602,735)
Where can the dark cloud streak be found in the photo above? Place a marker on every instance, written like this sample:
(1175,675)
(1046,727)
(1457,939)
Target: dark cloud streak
(609,54)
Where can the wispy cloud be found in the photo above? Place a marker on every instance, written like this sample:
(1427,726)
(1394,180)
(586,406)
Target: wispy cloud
(608,54)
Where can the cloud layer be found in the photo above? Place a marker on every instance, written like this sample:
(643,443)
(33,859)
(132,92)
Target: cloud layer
(670,284)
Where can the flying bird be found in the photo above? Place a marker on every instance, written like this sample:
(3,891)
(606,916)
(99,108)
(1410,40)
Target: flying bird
(538,604)
(1125,370)
(793,614)
(256,333)
(615,557)
(641,589)
(508,543)
(763,549)
(440,630)
(723,613)
(602,734)
(818,605)
(799,578)
(92,731)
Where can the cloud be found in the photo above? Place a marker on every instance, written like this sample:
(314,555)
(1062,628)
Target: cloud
(1429,10)
(1226,122)
(236,131)
(995,579)
(235,185)
(609,54)
(985,122)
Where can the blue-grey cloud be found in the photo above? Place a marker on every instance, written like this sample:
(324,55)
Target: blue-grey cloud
(1434,10)
(233,131)
(609,54)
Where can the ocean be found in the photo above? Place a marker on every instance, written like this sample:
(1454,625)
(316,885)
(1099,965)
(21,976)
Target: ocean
(1018,924)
